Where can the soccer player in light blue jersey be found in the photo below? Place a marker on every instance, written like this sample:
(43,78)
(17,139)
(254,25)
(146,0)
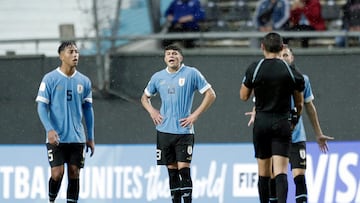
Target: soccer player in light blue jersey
(64,98)
(176,85)
(298,146)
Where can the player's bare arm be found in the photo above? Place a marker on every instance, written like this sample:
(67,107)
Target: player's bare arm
(154,113)
(321,139)
(245,92)
(208,100)
(298,101)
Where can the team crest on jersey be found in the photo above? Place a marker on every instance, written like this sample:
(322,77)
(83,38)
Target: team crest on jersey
(302,153)
(181,81)
(189,150)
(80,88)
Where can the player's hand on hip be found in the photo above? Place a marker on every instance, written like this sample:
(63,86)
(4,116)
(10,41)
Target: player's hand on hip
(53,138)
(188,122)
(156,117)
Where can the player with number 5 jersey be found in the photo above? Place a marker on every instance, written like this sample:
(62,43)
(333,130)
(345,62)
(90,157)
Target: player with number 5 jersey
(64,99)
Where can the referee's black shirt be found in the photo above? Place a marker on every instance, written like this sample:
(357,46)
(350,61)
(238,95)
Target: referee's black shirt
(273,85)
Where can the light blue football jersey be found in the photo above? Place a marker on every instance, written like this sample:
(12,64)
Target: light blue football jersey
(65,96)
(299,134)
(176,92)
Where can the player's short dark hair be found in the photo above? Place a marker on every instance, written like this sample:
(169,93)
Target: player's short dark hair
(273,42)
(173,47)
(65,44)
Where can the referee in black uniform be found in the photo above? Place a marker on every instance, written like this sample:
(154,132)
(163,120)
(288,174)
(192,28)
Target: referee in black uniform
(273,83)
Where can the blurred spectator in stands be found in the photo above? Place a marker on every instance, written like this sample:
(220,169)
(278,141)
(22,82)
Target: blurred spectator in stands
(351,20)
(305,15)
(184,16)
(272,15)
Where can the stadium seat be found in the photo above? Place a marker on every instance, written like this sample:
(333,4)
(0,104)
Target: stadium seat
(239,12)
(211,11)
(331,12)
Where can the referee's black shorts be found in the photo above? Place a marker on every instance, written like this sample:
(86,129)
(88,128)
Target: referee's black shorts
(271,135)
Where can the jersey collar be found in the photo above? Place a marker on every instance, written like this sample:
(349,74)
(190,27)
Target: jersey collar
(58,70)
(167,69)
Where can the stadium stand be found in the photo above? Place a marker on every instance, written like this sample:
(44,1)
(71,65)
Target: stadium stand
(227,15)
(224,17)
(237,15)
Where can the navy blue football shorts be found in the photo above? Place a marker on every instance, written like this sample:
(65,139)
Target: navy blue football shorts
(70,153)
(298,155)
(173,148)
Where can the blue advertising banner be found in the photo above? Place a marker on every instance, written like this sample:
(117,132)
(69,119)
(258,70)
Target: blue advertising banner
(221,173)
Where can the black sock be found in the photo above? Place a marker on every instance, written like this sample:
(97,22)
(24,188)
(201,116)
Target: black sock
(281,187)
(263,189)
(272,195)
(301,189)
(73,190)
(186,185)
(174,182)
(54,187)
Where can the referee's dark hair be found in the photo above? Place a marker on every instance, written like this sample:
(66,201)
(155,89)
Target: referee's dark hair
(64,44)
(273,42)
(173,47)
